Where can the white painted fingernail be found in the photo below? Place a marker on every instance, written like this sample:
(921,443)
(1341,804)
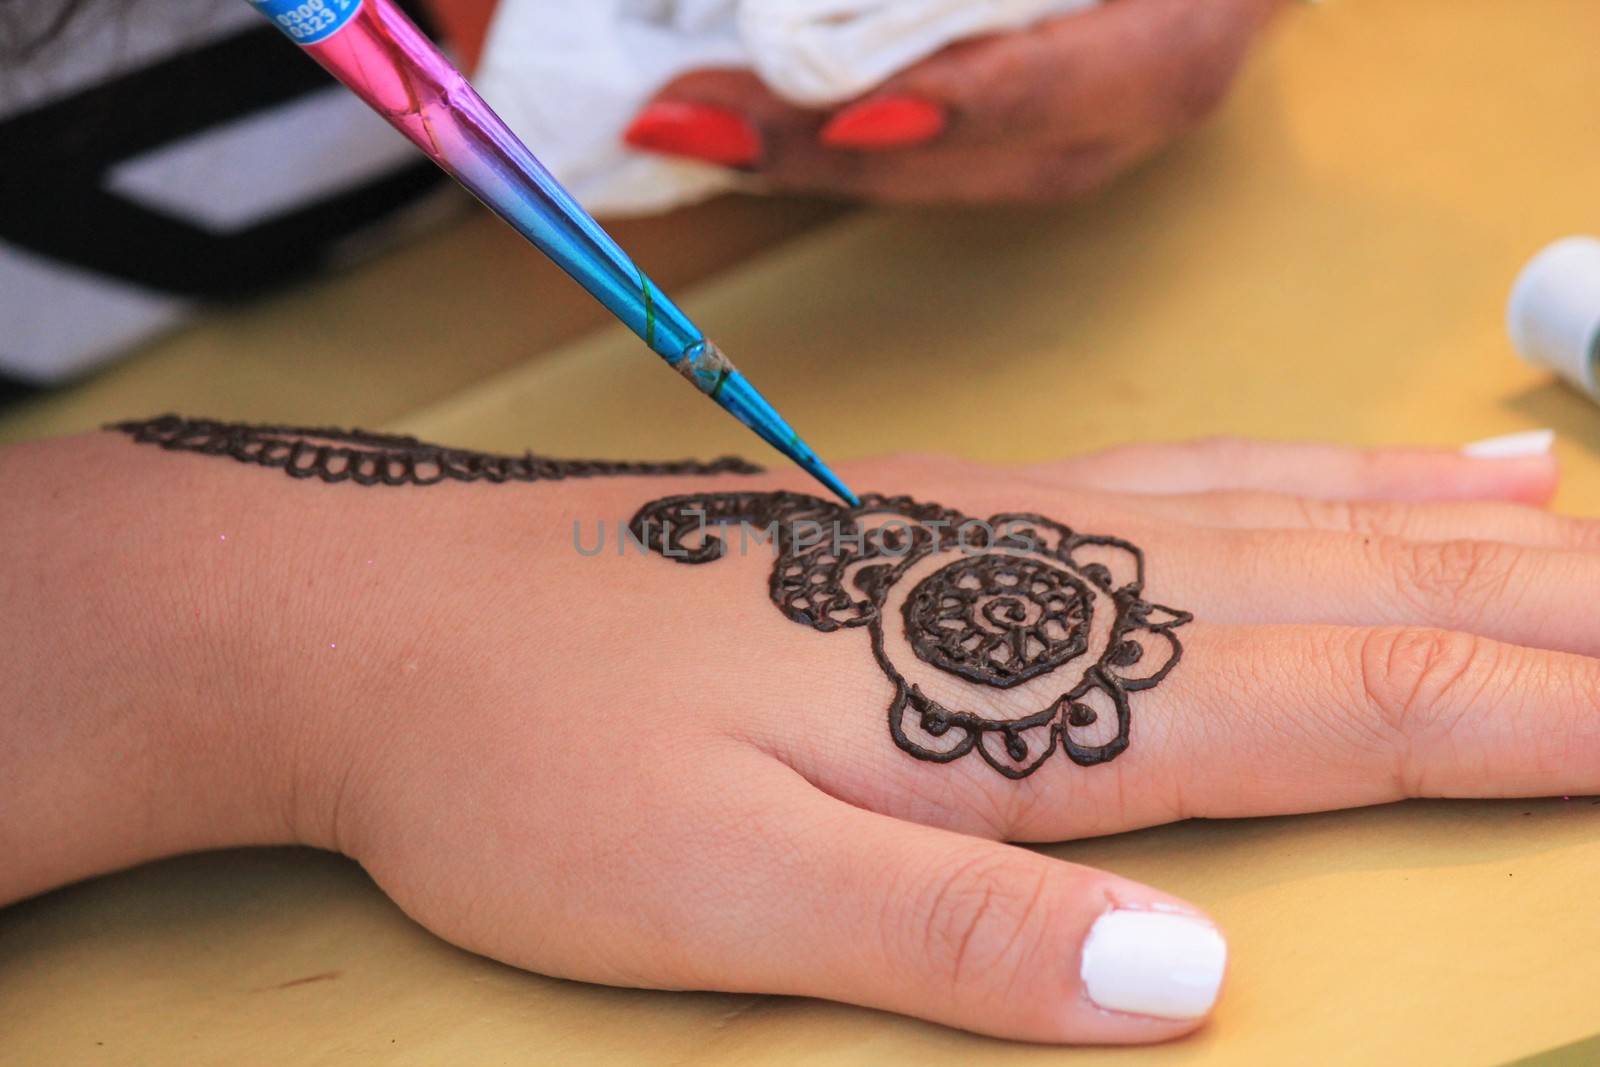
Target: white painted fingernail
(1513,445)
(1154,963)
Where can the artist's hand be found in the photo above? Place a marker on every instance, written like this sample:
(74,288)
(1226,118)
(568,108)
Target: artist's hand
(1039,115)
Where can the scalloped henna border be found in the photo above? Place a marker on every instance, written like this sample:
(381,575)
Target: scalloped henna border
(359,457)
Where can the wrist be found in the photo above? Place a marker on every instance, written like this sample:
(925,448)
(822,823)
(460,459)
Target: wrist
(123,733)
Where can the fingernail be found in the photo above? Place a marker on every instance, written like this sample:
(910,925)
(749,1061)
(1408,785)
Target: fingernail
(1154,963)
(696,131)
(1513,445)
(883,123)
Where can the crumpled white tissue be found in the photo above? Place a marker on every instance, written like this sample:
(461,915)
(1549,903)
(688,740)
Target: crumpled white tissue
(570,75)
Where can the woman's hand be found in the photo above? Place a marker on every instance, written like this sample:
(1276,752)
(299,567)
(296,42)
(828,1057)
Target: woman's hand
(619,768)
(1045,114)
(632,771)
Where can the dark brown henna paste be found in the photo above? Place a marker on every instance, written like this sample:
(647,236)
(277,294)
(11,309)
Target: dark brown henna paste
(998,605)
(999,620)
(1011,603)
(385,459)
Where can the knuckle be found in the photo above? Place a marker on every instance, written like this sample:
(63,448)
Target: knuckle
(982,918)
(1423,687)
(1367,518)
(1454,584)
(1409,674)
(1338,516)
(1376,517)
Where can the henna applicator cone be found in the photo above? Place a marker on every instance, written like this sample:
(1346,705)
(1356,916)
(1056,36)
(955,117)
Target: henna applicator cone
(379,54)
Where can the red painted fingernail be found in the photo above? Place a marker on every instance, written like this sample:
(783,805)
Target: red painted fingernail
(697,131)
(885,122)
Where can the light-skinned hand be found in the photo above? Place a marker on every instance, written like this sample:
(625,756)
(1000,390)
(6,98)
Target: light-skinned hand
(626,770)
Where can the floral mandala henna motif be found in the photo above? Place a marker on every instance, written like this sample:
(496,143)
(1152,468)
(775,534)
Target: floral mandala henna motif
(999,620)
(363,458)
(1011,635)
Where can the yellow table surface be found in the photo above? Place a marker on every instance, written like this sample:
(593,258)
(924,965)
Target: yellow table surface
(1329,260)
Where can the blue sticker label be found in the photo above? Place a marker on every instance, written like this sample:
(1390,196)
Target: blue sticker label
(308,21)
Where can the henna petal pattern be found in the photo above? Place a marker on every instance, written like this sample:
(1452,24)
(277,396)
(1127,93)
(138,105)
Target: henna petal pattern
(1097,726)
(1142,658)
(1109,562)
(925,730)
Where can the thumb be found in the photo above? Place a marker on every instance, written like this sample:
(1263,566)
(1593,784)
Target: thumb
(979,935)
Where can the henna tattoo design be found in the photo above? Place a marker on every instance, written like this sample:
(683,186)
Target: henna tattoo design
(1005,604)
(385,459)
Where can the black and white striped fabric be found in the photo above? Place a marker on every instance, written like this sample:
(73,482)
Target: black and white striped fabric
(163,154)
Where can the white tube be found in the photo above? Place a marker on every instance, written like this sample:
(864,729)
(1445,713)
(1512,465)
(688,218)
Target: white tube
(1555,312)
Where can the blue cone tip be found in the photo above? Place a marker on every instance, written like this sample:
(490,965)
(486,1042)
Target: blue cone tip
(741,400)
